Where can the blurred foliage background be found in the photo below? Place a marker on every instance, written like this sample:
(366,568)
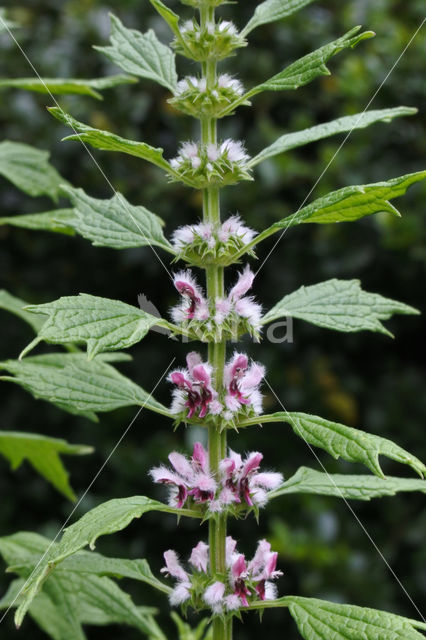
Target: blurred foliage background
(364,380)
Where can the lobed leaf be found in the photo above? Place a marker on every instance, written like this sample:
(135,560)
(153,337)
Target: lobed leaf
(29,169)
(109,517)
(91,599)
(312,65)
(345,205)
(303,70)
(16,306)
(116,223)
(72,383)
(347,123)
(341,441)
(43,454)
(69,601)
(350,487)
(66,86)
(59,221)
(109,141)
(273,10)
(103,324)
(340,305)
(141,54)
(320,620)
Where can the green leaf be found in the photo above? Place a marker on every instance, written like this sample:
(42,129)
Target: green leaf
(116,223)
(43,455)
(58,221)
(103,324)
(16,306)
(107,518)
(312,65)
(340,305)
(273,10)
(350,487)
(29,169)
(346,205)
(72,383)
(168,16)
(303,70)
(342,441)
(65,86)
(109,141)
(347,123)
(23,550)
(321,620)
(141,54)
(70,598)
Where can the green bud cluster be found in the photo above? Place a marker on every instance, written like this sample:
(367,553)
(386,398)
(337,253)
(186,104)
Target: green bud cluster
(213,41)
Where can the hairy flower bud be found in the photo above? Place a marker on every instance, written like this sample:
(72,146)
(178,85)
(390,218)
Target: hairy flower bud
(213,41)
(193,97)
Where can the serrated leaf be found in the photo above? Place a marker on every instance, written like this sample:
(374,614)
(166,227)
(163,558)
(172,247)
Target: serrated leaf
(350,487)
(340,305)
(109,517)
(322,620)
(23,550)
(29,169)
(303,70)
(103,324)
(115,222)
(109,141)
(66,86)
(43,454)
(57,221)
(312,65)
(273,10)
(72,383)
(344,442)
(141,54)
(16,305)
(346,205)
(347,123)
(77,597)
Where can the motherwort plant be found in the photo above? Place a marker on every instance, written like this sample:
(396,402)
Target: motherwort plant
(218,387)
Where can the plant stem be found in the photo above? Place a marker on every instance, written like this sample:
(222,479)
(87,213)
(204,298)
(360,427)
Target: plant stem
(222,630)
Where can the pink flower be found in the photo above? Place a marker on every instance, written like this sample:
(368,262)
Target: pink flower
(242,382)
(188,478)
(188,288)
(245,305)
(213,596)
(234,227)
(200,557)
(239,481)
(243,482)
(173,567)
(194,390)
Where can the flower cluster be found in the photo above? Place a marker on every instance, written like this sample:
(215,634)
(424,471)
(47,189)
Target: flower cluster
(215,41)
(200,165)
(239,484)
(224,318)
(193,97)
(203,243)
(245,582)
(195,397)
(194,394)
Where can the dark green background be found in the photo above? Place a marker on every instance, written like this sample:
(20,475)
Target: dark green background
(364,380)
